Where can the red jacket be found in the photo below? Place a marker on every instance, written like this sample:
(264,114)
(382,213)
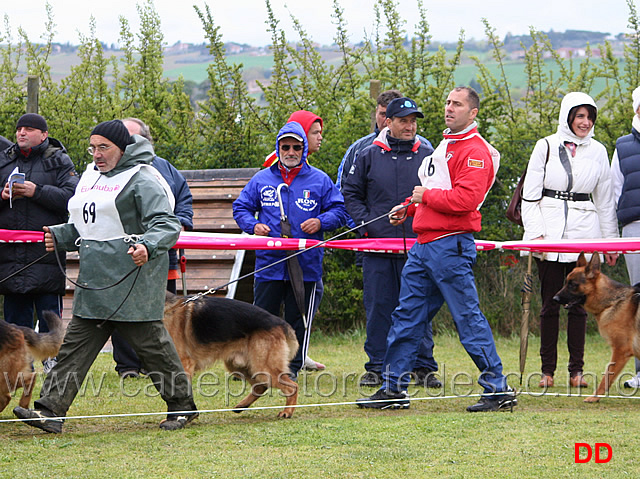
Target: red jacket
(458,176)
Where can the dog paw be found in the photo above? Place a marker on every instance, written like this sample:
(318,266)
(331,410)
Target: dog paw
(284,415)
(592,399)
(238,410)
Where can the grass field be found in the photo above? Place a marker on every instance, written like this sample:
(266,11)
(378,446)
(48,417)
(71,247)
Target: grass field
(435,437)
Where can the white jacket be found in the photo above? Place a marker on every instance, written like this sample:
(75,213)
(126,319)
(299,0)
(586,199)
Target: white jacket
(591,174)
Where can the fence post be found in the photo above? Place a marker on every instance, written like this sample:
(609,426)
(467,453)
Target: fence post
(374,91)
(33,90)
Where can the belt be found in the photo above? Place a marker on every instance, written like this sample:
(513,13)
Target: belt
(566,195)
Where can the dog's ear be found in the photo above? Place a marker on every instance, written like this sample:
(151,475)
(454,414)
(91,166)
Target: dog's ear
(593,269)
(582,261)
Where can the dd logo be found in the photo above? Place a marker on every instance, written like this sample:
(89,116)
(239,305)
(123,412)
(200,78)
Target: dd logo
(598,446)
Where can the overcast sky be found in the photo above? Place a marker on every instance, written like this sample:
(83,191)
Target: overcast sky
(243,21)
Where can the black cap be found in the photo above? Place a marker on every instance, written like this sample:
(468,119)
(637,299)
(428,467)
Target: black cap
(114,131)
(33,120)
(402,107)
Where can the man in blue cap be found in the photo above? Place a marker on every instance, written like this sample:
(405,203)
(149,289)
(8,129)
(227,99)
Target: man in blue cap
(382,177)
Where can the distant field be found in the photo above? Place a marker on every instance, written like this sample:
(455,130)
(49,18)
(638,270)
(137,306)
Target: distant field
(515,72)
(255,66)
(196,71)
(193,67)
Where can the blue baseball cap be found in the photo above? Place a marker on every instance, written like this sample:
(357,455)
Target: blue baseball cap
(402,107)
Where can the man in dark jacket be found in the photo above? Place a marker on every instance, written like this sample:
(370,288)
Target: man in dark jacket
(4,143)
(384,173)
(50,180)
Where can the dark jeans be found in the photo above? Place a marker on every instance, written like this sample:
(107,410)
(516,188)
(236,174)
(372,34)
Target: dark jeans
(19,308)
(271,295)
(382,278)
(552,275)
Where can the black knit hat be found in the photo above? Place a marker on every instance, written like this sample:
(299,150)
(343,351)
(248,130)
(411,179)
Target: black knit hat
(114,131)
(32,120)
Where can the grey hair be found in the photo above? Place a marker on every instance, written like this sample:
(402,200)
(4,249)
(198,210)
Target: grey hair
(145,131)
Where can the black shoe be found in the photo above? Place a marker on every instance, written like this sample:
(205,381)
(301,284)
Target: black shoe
(371,379)
(177,421)
(130,373)
(495,403)
(49,425)
(385,400)
(426,378)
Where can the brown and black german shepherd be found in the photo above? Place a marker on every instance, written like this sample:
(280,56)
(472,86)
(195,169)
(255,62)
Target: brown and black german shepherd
(252,343)
(615,307)
(18,347)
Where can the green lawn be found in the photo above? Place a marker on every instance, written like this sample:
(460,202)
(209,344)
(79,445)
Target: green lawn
(435,437)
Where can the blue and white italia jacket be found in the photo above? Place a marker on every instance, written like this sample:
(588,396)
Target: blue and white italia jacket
(311,194)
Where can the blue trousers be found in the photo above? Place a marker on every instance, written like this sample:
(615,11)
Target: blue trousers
(381,287)
(434,273)
(19,308)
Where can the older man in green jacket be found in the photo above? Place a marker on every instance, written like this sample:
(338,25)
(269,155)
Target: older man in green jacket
(122,224)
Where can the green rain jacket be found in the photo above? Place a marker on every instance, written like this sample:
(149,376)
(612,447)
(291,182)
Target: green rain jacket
(145,213)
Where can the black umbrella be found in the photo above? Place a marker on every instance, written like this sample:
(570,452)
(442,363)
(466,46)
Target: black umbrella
(295,274)
(527,288)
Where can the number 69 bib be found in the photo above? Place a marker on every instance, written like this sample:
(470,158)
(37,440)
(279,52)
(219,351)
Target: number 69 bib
(93,210)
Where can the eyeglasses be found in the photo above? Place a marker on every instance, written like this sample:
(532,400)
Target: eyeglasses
(100,148)
(295,147)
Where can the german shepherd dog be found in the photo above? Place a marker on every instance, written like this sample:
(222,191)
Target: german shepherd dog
(19,346)
(615,307)
(253,344)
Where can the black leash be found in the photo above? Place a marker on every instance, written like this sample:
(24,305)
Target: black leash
(213,290)
(55,250)
(24,267)
(138,268)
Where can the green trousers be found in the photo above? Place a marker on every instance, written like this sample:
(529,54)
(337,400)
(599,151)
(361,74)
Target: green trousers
(84,340)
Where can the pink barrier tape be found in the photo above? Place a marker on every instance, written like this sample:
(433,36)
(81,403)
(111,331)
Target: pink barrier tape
(226,241)
(602,245)
(21,236)
(219,241)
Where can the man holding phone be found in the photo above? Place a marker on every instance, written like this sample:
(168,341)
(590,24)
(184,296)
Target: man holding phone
(41,199)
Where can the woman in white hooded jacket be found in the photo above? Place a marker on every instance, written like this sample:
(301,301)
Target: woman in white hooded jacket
(567,194)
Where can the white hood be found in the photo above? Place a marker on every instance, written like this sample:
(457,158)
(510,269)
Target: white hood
(571,100)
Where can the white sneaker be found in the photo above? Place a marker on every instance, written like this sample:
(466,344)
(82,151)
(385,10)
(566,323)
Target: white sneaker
(633,383)
(311,365)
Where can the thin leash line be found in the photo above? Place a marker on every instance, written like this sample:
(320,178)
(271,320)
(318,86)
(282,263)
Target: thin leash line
(307,406)
(286,258)
(25,267)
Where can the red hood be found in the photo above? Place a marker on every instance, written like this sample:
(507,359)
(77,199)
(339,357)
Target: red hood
(305,118)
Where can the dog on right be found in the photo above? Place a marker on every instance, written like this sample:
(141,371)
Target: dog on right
(615,306)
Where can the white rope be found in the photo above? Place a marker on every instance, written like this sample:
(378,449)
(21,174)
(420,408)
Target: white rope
(346,403)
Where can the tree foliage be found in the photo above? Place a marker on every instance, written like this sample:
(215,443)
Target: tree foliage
(230,128)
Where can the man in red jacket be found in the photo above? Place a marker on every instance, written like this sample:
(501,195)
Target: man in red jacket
(446,209)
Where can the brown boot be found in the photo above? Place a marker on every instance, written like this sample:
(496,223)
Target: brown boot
(578,381)
(546,381)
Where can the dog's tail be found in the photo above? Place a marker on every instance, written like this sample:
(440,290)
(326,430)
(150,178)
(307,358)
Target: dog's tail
(292,341)
(45,345)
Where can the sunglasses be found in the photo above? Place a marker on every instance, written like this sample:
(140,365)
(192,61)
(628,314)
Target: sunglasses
(295,147)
